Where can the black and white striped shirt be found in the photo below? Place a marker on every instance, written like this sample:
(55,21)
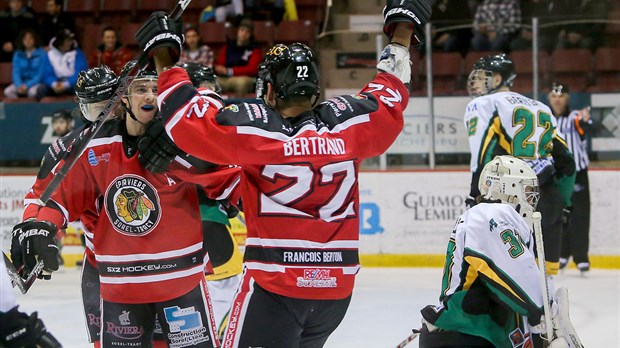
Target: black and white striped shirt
(574,129)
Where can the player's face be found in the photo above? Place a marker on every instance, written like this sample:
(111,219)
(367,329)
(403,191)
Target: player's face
(478,83)
(143,99)
(531,195)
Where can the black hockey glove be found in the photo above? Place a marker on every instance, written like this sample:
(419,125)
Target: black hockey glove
(156,149)
(159,30)
(31,241)
(17,329)
(416,12)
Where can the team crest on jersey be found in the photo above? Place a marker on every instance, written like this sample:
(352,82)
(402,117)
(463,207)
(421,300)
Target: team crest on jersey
(132,205)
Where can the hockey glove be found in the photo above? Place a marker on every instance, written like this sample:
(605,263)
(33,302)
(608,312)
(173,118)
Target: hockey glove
(160,31)
(35,240)
(17,329)
(416,12)
(156,149)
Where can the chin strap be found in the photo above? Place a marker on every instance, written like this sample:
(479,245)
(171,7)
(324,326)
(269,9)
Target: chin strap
(128,110)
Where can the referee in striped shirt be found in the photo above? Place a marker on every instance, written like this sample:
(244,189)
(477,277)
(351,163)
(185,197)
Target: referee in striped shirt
(575,125)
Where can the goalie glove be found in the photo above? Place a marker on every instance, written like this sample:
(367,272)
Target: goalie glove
(33,240)
(416,12)
(160,31)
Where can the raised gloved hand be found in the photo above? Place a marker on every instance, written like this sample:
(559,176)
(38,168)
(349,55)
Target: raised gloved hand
(156,149)
(416,12)
(158,31)
(31,241)
(18,329)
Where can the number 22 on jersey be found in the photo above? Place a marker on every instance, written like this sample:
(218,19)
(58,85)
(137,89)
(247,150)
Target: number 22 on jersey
(524,143)
(299,184)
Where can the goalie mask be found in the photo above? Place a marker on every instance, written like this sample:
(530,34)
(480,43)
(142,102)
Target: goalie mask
(93,89)
(293,72)
(202,76)
(480,80)
(511,181)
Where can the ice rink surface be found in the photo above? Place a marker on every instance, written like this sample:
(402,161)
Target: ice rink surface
(384,308)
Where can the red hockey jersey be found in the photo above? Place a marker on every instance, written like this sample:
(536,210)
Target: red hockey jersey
(148,236)
(299,176)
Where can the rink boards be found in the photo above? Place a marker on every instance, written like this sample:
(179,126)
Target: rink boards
(405,217)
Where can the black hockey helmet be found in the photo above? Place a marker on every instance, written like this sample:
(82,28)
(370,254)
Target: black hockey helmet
(480,80)
(199,74)
(294,72)
(264,75)
(142,75)
(96,84)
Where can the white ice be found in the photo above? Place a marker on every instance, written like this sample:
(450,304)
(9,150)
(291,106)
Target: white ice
(384,309)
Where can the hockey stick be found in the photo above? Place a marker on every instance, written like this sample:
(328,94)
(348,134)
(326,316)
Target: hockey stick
(81,142)
(540,250)
(565,326)
(409,339)
(17,280)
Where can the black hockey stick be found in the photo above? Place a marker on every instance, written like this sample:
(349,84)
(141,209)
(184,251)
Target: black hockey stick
(81,142)
(22,283)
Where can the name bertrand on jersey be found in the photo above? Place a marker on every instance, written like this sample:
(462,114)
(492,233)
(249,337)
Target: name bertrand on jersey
(303,146)
(513,99)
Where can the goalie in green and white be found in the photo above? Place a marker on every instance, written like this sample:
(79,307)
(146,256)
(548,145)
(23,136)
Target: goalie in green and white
(493,292)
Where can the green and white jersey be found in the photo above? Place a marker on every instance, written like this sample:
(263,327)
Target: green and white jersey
(490,272)
(509,123)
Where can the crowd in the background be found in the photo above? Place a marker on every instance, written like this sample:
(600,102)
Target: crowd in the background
(47,58)
(505,25)
(46,55)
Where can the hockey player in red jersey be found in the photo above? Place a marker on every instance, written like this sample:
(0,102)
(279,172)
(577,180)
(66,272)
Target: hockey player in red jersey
(147,237)
(299,175)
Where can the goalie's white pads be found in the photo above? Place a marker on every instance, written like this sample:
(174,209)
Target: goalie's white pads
(395,60)
(561,322)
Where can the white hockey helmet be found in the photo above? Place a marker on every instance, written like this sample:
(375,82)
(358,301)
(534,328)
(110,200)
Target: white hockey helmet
(512,181)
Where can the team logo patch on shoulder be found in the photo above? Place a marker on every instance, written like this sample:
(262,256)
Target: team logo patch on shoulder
(132,205)
(359,96)
(232,107)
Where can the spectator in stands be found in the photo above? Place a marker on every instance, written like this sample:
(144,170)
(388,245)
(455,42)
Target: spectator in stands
(110,52)
(448,13)
(547,11)
(55,19)
(193,49)
(237,63)
(584,35)
(62,122)
(61,66)
(279,9)
(12,21)
(228,9)
(496,23)
(27,66)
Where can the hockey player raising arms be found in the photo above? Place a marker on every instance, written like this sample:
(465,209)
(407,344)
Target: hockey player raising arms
(499,121)
(299,175)
(147,238)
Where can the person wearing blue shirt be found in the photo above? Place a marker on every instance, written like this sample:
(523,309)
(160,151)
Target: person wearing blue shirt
(27,66)
(61,66)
